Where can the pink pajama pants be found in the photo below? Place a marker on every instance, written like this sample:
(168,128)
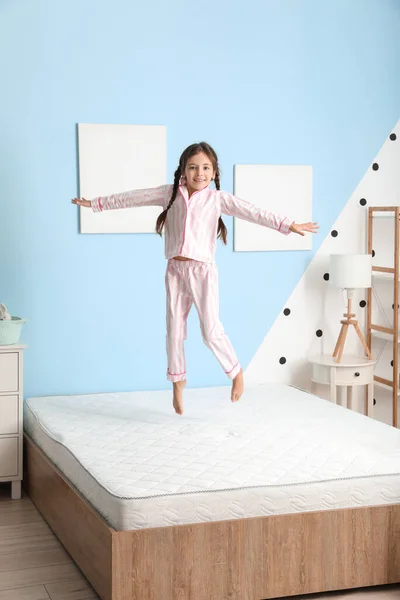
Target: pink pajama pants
(192,282)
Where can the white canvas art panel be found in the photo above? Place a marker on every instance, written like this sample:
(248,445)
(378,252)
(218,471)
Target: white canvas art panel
(119,158)
(282,189)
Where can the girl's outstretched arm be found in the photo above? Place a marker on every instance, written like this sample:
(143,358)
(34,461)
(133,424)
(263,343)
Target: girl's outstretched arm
(236,207)
(158,196)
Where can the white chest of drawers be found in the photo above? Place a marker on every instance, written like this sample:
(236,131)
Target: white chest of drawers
(11,424)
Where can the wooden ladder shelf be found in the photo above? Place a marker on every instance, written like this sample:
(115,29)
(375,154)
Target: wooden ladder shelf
(392,331)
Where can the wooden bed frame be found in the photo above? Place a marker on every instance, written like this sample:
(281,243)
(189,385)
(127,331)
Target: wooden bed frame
(244,559)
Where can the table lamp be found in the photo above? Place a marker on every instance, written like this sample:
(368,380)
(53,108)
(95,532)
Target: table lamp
(350,271)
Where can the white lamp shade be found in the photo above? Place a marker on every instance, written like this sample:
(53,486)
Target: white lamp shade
(348,271)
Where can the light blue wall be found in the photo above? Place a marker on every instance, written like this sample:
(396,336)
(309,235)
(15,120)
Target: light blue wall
(284,81)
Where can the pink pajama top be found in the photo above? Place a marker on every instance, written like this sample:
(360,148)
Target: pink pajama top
(191,225)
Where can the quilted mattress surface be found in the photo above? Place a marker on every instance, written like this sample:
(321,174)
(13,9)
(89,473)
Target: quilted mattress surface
(279,450)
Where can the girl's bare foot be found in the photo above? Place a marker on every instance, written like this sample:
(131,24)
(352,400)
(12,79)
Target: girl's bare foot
(237,387)
(178,402)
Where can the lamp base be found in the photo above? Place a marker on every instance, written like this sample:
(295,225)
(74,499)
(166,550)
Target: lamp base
(346,323)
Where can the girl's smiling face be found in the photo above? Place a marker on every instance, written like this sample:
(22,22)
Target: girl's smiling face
(199,172)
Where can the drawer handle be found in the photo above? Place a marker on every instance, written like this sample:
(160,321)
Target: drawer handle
(356,374)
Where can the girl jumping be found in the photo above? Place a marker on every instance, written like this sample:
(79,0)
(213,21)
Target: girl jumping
(192,219)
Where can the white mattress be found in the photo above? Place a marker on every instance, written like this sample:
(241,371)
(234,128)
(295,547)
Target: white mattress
(279,450)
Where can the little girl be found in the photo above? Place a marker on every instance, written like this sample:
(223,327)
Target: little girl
(192,219)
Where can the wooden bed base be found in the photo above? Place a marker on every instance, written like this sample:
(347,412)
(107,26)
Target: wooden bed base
(244,559)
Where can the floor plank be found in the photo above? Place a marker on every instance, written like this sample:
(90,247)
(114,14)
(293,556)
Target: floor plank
(16,505)
(71,590)
(10,580)
(387,592)
(29,544)
(20,517)
(36,592)
(24,530)
(27,560)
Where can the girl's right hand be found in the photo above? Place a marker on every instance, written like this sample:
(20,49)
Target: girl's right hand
(82,202)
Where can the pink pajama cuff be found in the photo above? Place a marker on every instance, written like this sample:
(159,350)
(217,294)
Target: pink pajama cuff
(176,376)
(235,371)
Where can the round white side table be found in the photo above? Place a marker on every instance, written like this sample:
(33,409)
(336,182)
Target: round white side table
(350,371)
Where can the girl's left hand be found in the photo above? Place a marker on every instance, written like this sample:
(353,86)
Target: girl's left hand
(300,228)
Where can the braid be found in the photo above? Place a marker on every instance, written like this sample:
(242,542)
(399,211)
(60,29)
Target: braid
(222,231)
(162,217)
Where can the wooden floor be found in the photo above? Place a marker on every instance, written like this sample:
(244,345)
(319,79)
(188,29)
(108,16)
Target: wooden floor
(34,565)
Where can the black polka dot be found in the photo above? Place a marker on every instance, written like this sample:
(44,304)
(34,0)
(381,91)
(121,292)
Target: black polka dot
(326,276)
(392,136)
(282,360)
(319,333)
(374,401)
(391,363)
(397,307)
(373,253)
(363,304)
(363,202)
(375,166)
(334,233)
(286,312)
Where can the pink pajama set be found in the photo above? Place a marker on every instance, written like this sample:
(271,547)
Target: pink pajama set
(191,231)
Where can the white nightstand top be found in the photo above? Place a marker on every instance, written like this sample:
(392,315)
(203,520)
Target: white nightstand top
(346,361)
(11,347)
